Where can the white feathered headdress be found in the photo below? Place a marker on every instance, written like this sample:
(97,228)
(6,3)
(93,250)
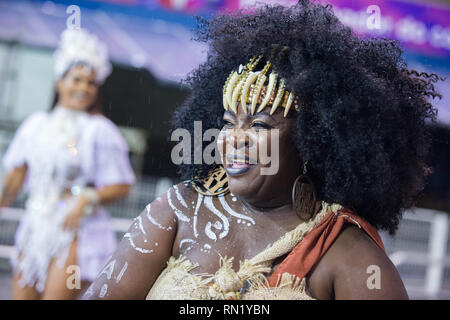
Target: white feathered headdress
(79,46)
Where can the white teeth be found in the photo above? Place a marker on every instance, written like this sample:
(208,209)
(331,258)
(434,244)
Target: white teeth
(238,161)
(239,164)
(80,95)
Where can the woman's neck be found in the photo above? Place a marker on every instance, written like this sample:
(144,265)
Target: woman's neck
(272,207)
(60,106)
(279,208)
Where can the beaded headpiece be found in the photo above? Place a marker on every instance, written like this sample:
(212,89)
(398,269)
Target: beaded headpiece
(80,46)
(248,86)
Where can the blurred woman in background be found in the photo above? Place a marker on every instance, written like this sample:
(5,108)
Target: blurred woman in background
(72,160)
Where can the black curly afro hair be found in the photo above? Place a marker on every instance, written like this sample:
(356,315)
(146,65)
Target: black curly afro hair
(363,127)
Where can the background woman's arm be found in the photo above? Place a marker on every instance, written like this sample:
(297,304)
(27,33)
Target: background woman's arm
(12,185)
(105,195)
(113,193)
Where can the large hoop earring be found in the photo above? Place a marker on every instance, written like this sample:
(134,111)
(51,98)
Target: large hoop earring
(304,196)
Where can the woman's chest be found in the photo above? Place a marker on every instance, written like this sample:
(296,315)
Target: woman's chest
(201,241)
(57,152)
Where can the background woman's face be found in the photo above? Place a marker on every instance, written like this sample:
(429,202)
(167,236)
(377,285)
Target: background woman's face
(241,141)
(78,88)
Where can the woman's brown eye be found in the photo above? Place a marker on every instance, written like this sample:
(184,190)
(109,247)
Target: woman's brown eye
(261,125)
(227,124)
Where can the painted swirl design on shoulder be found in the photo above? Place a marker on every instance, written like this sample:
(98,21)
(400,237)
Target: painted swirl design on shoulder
(153,220)
(180,215)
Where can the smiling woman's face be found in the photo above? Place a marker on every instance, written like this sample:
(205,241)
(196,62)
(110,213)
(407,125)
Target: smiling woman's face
(78,88)
(244,141)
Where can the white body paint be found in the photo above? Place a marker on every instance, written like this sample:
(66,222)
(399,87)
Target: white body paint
(103,291)
(206,248)
(124,268)
(140,226)
(153,221)
(141,250)
(89,292)
(209,233)
(190,241)
(226,224)
(108,270)
(214,230)
(180,215)
(179,197)
(197,207)
(240,217)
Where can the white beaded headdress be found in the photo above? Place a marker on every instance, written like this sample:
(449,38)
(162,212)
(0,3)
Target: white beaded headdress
(79,46)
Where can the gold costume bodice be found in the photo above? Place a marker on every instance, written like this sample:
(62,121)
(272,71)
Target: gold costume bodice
(249,283)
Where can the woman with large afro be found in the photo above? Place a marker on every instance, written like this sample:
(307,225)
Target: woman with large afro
(342,122)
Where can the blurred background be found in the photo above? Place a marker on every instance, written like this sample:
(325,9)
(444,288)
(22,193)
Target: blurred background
(151,49)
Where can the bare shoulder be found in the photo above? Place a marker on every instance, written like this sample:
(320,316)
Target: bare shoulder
(360,269)
(353,240)
(184,194)
(158,224)
(144,250)
(174,204)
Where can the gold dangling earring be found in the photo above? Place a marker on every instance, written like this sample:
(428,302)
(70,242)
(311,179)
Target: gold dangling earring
(304,196)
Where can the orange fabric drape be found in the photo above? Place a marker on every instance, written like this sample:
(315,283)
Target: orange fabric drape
(316,243)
